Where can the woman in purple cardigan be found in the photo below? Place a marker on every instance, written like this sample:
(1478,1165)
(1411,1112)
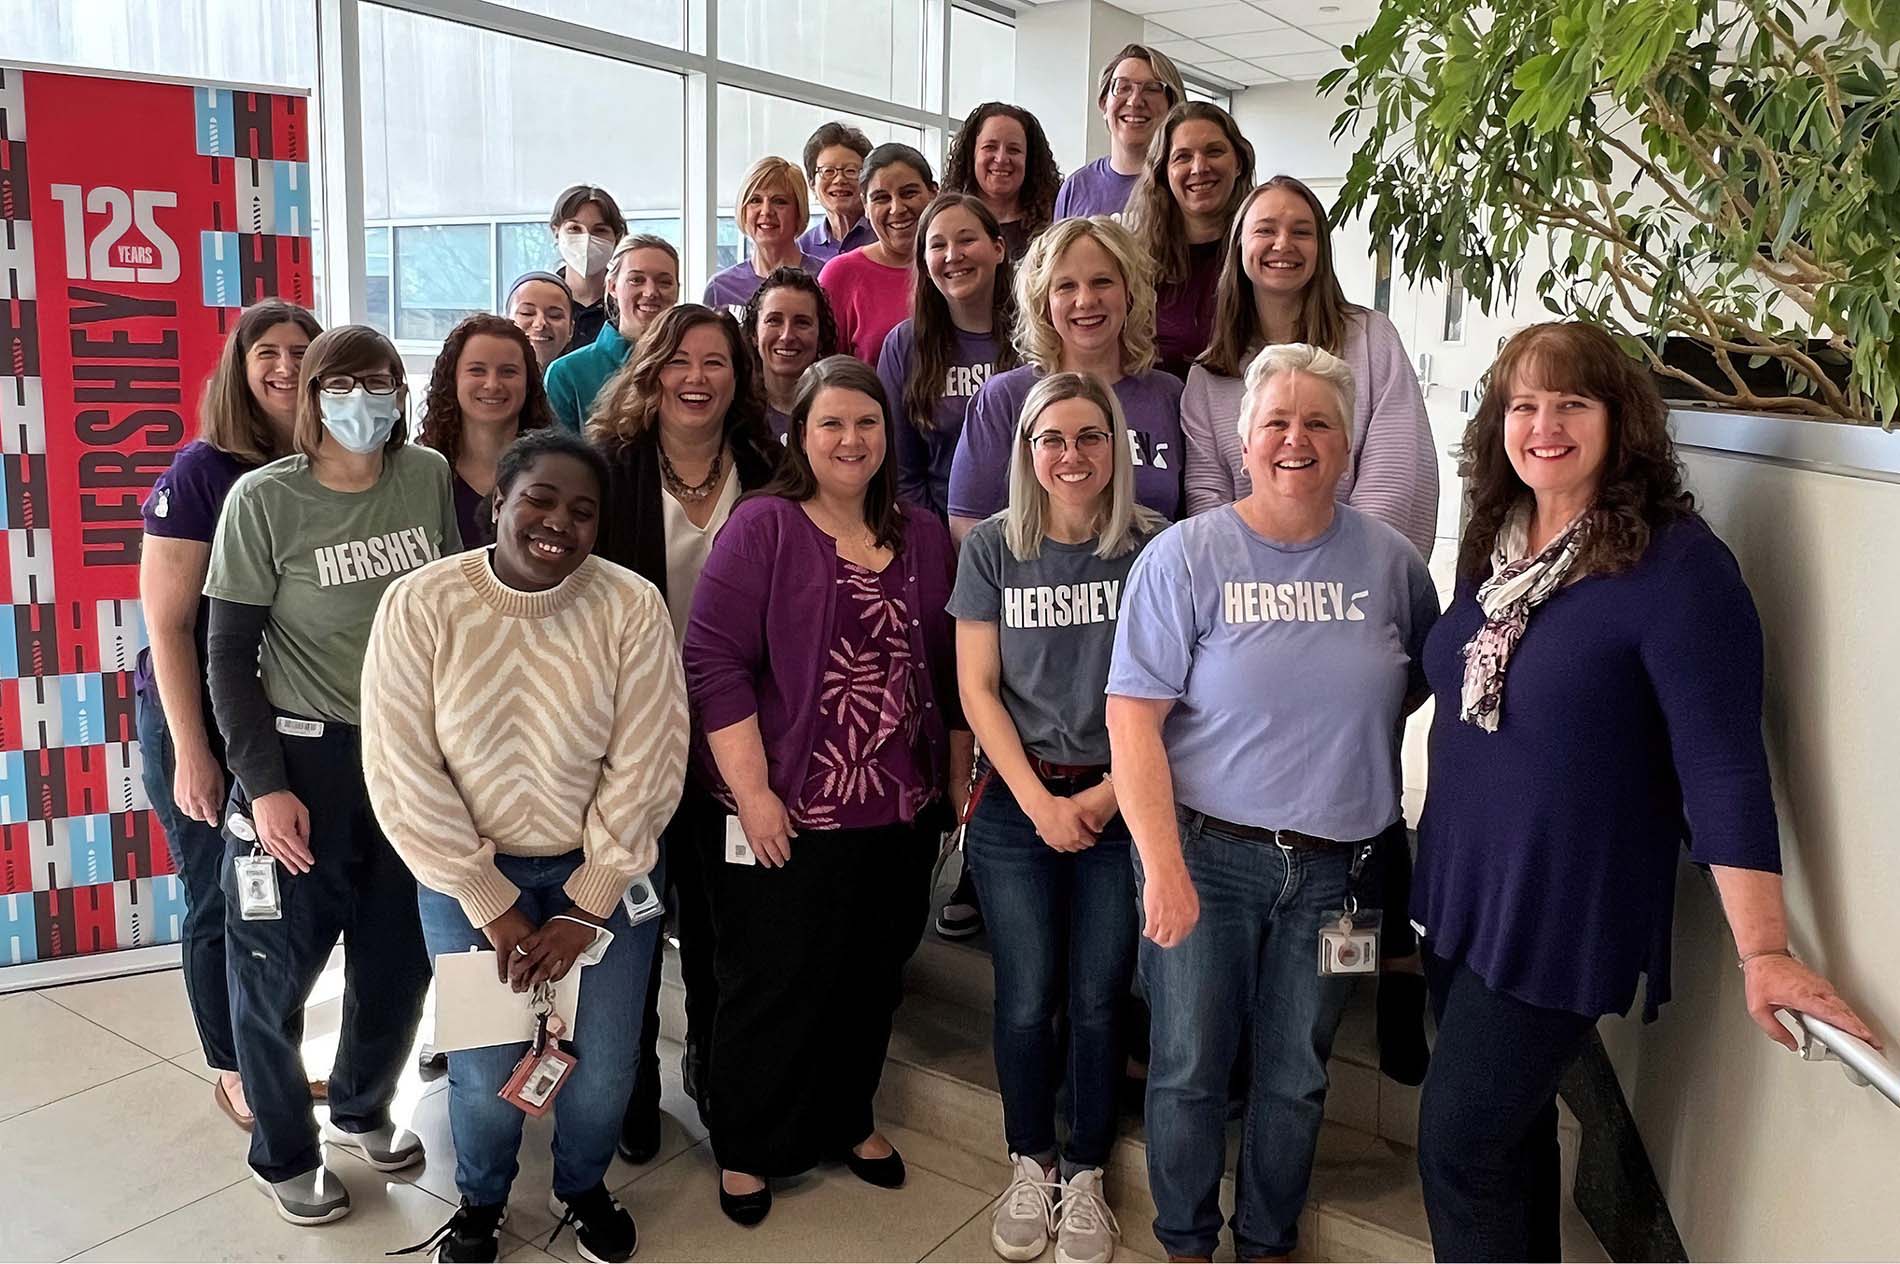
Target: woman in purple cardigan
(820,664)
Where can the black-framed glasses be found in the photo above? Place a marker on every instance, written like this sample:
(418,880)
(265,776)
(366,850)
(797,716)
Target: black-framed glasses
(374,383)
(835,173)
(1090,442)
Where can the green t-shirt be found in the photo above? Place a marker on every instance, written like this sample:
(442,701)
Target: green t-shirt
(320,559)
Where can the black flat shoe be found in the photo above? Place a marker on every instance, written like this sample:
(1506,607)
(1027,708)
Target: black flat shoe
(885,1173)
(745,1210)
(640,1134)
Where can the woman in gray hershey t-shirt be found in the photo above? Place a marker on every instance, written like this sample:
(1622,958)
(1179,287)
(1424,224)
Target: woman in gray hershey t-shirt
(1038,588)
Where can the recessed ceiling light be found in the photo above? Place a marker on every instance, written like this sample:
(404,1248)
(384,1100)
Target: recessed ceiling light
(1329,8)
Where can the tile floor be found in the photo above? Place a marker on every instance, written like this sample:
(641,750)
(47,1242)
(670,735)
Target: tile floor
(112,1149)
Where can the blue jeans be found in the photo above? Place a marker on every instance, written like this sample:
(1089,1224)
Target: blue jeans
(198,856)
(1062,928)
(1251,964)
(605,1040)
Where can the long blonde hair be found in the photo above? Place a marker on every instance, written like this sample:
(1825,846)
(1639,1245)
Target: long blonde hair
(1119,521)
(1036,335)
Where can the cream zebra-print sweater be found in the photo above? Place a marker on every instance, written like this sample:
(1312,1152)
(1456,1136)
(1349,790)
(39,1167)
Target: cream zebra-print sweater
(525,724)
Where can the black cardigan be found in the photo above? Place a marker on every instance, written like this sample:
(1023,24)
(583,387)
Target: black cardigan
(633,529)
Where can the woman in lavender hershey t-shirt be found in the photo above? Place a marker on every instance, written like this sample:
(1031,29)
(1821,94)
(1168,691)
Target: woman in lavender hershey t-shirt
(772,209)
(1139,85)
(820,667)
(961,308)
(246,416)
(1084,304)
(1199,171)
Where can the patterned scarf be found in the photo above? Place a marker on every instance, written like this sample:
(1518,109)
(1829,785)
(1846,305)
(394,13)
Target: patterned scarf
(1518,585)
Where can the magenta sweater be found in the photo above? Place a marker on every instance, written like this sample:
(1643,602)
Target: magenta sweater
(868,299)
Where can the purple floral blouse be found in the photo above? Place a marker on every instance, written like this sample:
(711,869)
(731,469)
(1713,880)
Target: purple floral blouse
(866,765)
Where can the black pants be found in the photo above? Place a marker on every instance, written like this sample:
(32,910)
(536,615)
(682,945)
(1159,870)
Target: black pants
(810,963)
(1393,855)
(198,856)
(360,890)
(1487,1123)
(696,831)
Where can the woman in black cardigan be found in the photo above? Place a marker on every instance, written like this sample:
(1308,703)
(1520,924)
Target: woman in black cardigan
(683,428)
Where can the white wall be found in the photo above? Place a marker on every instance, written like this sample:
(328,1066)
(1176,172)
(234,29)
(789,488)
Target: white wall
(1761,1156)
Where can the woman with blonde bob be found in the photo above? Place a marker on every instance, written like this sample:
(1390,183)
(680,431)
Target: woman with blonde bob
(1267,653)
(1038,589)
(773,208)
(1085,303)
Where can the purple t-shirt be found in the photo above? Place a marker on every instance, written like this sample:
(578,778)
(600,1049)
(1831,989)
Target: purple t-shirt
(1151,404)
(184,504)
(923,459)
(734,287)
(472,514)
(1097,189)
(818,242)
(781,423)
(1184,311)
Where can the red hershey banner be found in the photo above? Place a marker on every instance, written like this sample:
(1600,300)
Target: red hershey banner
(136,219)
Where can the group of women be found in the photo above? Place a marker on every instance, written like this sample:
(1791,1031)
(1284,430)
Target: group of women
(739,607)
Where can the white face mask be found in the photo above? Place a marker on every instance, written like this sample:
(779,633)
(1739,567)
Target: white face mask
(585,254)
(360,422)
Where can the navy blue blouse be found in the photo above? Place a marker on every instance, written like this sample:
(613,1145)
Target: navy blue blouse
(1631,724)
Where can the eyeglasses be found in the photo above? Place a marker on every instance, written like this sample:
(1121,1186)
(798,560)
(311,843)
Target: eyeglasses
(838,173)
(374,383)
(1090,442)
(1119,87)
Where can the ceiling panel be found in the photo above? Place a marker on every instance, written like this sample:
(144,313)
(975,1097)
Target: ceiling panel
(1305,12)
(1215,19)
(1278,42)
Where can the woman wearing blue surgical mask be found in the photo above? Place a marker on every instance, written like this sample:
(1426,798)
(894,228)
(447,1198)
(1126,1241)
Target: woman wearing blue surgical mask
(304,549)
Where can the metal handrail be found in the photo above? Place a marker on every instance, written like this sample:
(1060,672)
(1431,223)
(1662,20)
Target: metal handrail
(1823,1041)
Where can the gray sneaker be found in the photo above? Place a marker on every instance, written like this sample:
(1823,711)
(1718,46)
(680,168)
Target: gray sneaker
(1020,1228)
(387,1149)
(1085,1227)
(316,1197)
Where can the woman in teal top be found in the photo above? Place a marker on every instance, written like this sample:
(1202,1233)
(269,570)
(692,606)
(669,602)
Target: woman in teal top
(643,280)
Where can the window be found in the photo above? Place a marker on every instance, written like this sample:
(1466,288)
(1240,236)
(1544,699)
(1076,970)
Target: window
(982,61)
(1382,280)
(871,47)
(1196,92)
(469,136)
(660,21)
(1455,309)
(271,42)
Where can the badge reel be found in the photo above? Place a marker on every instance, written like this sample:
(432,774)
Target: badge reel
(258,897)
(1349,940)
(545,1068)
(642,901)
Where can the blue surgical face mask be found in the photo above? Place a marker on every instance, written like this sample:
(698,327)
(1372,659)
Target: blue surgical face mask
(360,421)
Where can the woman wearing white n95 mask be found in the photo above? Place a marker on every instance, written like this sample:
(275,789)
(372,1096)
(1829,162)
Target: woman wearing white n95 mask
(586,223)
(304,549)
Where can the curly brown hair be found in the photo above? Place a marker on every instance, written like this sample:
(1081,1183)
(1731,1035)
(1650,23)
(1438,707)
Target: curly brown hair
(1042,179)
(628,405)
(442,411)
(1640,489)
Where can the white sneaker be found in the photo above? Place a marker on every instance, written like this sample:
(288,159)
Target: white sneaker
(387,1149)
(1085,1228)
(1020,1229)
(313,1198)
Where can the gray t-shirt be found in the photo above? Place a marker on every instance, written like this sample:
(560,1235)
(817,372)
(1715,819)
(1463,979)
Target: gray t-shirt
(1055,617)
(320,559)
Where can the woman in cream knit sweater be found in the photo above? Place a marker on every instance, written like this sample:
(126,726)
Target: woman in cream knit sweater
(524,724)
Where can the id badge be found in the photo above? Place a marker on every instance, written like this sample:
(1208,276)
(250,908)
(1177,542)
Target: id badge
(642,901)
(258,897)
(738,850)
(1349,942)
(537,1078)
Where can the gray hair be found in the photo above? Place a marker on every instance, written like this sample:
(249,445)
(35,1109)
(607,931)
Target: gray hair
(1118,519)
(1296,357)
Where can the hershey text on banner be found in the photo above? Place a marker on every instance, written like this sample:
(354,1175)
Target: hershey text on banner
(136,219)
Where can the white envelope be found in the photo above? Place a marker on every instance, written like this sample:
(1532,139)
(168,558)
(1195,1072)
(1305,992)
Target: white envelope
(474,1009)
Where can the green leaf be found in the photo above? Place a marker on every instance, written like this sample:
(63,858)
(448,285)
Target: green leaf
(1883,158)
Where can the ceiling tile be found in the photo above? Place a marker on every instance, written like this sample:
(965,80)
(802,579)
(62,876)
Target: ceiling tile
(1146,6)
(1303,65)
(1279,42)
(1217,19)
(1306,12)
(1187,51)
(1241,72)
(1333,34)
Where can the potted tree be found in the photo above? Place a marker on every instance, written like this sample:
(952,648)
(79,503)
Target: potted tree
(1722,173)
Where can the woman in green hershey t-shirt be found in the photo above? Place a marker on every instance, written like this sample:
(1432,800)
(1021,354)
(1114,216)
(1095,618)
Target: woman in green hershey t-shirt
(304,549)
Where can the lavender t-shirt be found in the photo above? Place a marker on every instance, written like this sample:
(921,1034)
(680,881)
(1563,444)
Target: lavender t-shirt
(818,242)
(732,288)
(1097,189)
(923,459)
(1151,404)
(1288,666)
(184,504)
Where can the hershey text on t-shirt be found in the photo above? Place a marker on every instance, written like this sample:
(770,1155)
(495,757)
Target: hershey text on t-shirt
(1061,605)
(356,560)
(963,381)
(1302,601)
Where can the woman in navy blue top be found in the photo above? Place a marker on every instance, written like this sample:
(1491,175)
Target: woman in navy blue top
(1567,769)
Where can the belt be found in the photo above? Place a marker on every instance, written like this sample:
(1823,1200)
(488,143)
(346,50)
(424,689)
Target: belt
(1066,772)
(1278,837)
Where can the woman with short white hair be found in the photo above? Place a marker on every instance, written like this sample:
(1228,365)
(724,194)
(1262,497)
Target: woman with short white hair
(1266,654)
